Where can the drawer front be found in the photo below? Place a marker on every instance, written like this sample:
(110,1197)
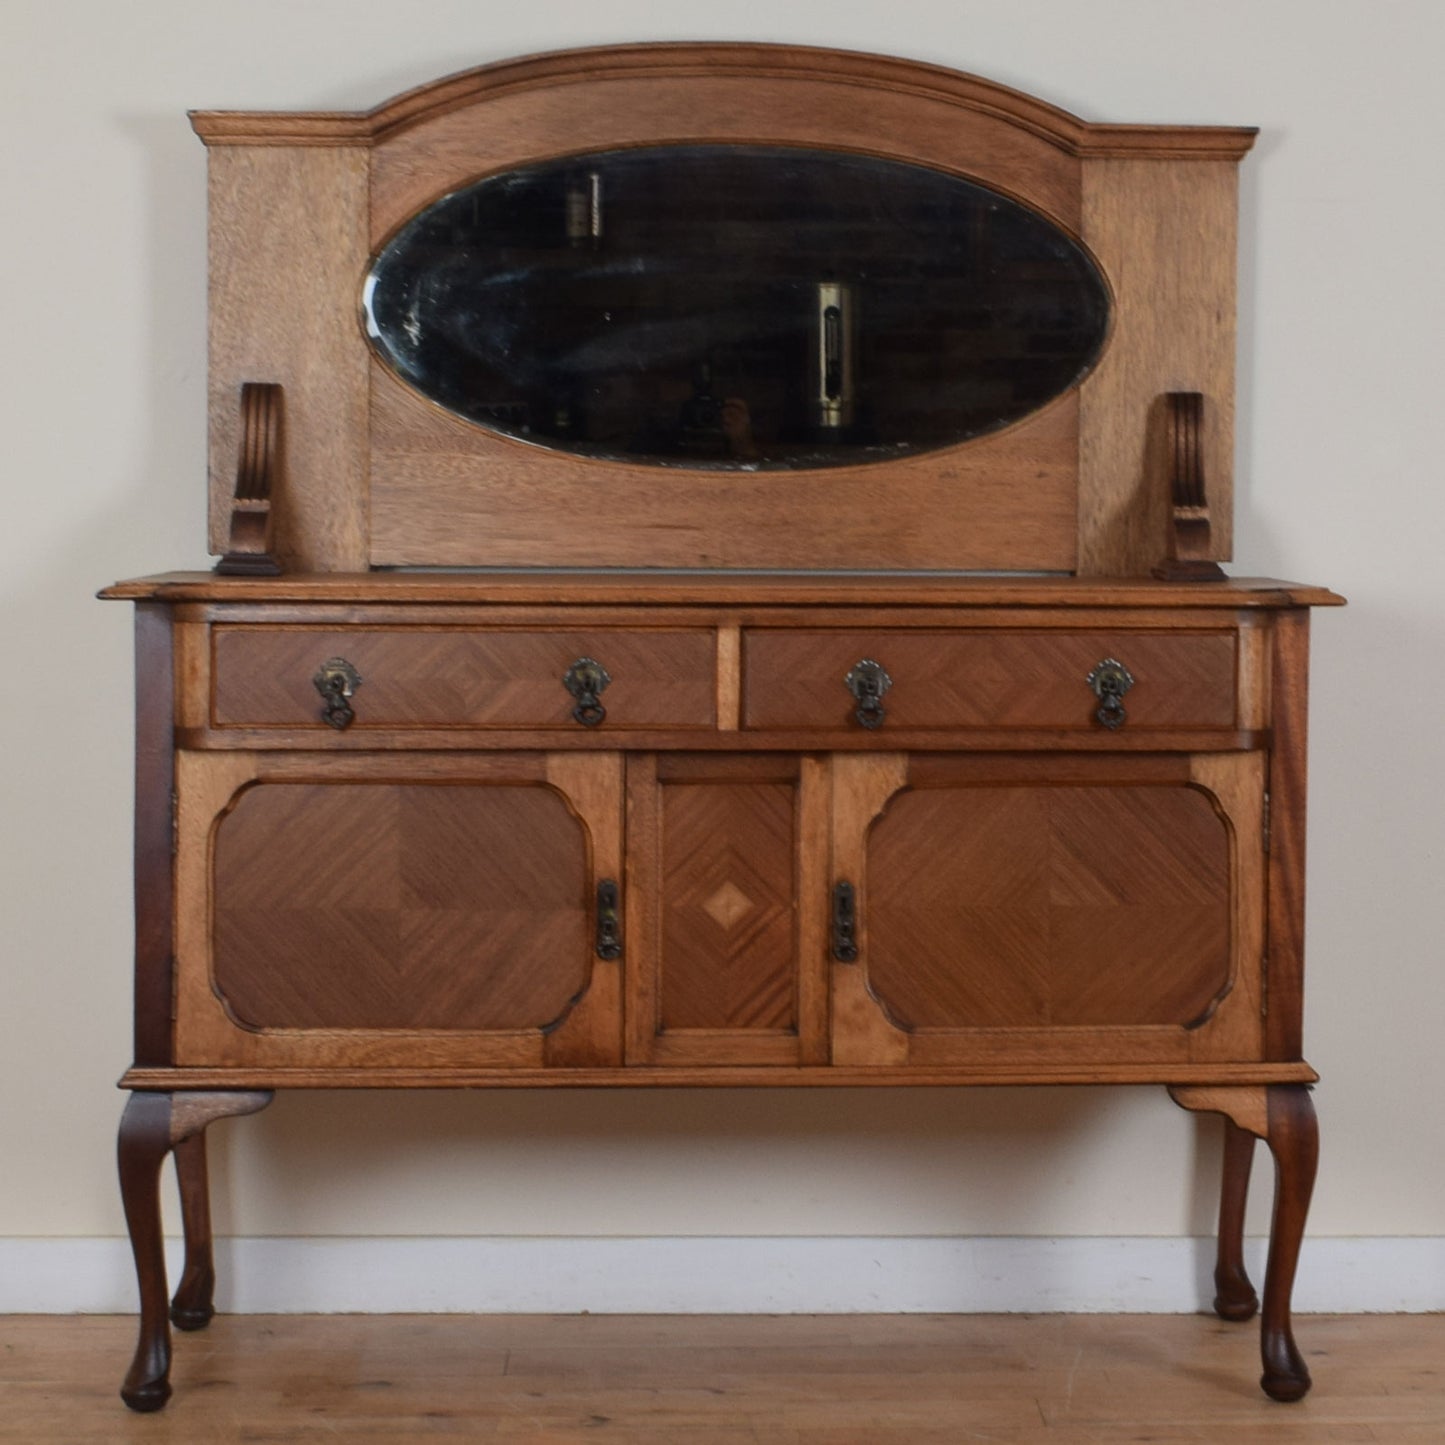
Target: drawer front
(1014,679)
(413,677)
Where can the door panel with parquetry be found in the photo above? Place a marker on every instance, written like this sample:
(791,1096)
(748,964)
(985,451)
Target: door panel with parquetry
(401,906)
(725,896)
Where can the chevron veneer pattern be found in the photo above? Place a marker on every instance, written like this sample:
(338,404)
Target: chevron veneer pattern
(794,678)
(463,677)
(1049,905)
(359,905)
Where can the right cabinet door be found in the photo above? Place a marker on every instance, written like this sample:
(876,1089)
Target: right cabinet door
(1050,911)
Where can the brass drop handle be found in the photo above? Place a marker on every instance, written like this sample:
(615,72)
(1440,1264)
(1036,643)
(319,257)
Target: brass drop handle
(336,681)
(867,681)
(585,680)
(1110,680)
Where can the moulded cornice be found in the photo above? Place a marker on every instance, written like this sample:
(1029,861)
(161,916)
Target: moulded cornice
(670,61)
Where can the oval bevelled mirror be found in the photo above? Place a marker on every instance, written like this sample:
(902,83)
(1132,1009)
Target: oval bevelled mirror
(716,306)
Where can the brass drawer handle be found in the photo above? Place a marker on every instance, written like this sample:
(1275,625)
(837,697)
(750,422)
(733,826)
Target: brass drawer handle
(867,681)
(336,680)
(1110,680)
(585,680)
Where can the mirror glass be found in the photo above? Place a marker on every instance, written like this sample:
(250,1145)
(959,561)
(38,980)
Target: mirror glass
(735,306)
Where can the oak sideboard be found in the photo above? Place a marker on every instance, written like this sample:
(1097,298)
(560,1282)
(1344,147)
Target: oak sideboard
(719,585)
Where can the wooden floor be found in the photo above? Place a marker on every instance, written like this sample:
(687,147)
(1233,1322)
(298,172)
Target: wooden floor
(725,1380)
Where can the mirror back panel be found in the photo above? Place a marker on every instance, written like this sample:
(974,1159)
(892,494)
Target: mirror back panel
(777,308)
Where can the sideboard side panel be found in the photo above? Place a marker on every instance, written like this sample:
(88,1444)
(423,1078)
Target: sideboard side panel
(155,782)
(1284,1020)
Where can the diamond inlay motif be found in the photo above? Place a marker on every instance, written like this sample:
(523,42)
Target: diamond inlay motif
(728,905)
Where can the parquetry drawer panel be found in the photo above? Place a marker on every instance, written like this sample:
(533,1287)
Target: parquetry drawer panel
(462,677)
(795,678)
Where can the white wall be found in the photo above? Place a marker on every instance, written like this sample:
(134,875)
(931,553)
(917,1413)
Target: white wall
(102,374)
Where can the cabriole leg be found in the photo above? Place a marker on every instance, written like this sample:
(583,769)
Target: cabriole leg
(1294,1141)
(193,1307)
(145,1139)
(1284,1117)
(1234,1296)
(152,1125)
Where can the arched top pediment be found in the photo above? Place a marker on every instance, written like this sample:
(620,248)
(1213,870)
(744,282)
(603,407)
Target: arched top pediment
(640,64)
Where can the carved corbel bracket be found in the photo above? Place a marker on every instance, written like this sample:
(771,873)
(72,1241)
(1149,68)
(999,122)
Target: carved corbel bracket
(251,549)
(1187,549)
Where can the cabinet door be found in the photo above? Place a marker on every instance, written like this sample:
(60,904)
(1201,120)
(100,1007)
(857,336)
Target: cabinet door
(726,897)
(1031,912)
(354,911)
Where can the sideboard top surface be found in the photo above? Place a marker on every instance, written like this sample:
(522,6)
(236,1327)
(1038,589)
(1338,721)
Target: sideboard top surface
(584,588)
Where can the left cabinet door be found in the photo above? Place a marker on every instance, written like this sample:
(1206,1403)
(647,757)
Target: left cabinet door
(386,911)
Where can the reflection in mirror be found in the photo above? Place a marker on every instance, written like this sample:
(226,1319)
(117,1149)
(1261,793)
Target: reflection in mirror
(726,306)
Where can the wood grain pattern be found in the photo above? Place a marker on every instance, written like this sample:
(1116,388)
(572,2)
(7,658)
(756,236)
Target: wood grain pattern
(795,678)
(411,903)
(714,94)
(445,492)
(590,1033)
(287,252)
(1165,233)
(1235,784)
(208,1034)
(193,1304)
(728,906)
(1288,781)
(251,539)
(154,824)
(408,907)
(1293,1139)
(324,1071)
(717,846)
(642,1020)
(1234,1296)
(614,64)
(1284,1116)
(729,676)
(916,1379)
(1246,1108)
(863,1034)
(1049,906)
(811,869)
(379,476)
(150,1127)
(639,588)
(422,677)
(1228,1030)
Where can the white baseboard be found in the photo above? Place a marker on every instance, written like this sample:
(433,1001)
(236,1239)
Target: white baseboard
(723,1276)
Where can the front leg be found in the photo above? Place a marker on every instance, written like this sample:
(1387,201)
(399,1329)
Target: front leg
(1294,1141)
(145,1140)
(1284,1117)
(152,1125)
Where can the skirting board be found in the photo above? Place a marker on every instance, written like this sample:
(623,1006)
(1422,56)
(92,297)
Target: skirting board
(722,1276)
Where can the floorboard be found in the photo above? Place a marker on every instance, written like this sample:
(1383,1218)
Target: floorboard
(725,1380)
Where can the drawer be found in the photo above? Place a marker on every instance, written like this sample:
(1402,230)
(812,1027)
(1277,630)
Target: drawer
(1020,678)
(460,677)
